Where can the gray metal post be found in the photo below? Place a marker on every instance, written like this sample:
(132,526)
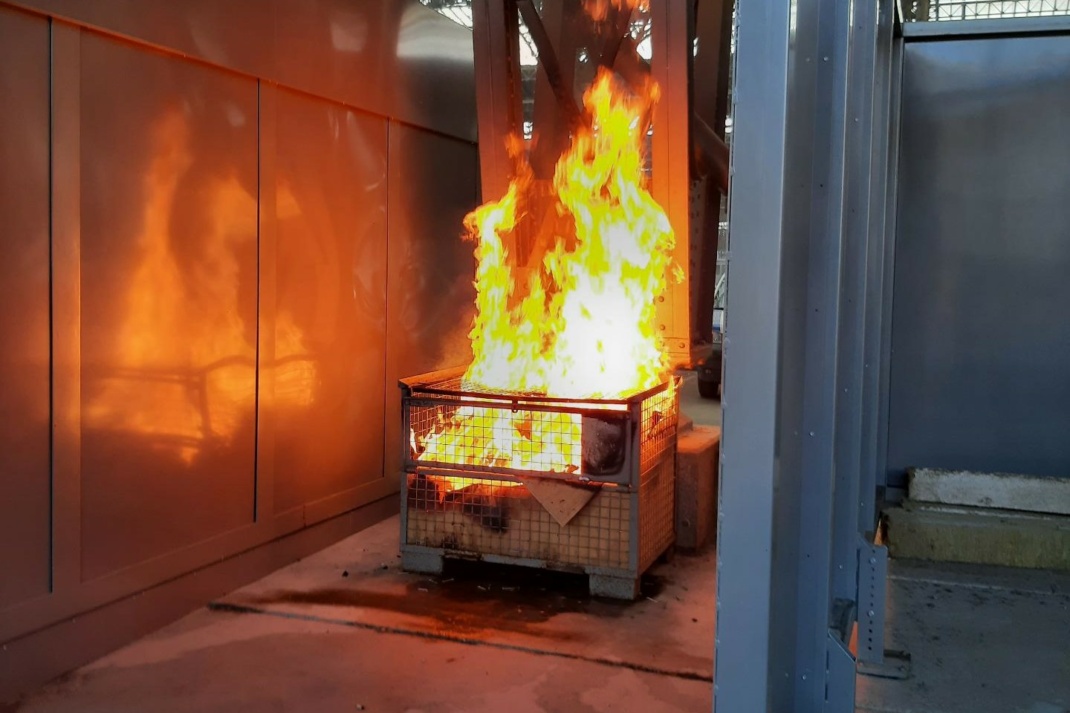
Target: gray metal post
(878,295)
(749,440)
(792,448)
(884,346)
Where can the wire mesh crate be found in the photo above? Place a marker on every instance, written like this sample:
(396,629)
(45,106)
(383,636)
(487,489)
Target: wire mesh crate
(575,485)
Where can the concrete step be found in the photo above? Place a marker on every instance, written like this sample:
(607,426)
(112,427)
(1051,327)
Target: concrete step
(945,533)
(1005,491)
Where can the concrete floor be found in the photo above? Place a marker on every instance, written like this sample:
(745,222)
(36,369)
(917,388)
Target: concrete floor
(346,630)
(981,640)
(705,412)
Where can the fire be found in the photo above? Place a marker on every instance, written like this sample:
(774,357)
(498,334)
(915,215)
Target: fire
(586,326)
(598,10)
(582,323)
(522,440)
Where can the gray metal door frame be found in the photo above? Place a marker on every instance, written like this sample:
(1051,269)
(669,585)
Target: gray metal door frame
(813,141)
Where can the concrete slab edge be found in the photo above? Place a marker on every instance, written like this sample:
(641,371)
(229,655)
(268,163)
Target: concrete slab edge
(1010,539)
(1007,491)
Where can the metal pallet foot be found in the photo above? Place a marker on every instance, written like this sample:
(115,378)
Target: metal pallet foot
(896,664)
(602,585)
(422,562)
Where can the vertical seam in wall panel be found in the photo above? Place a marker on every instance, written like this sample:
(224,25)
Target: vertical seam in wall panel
(65,284)
(267,300)
(892,229)
(259,307)
(386,310)
(51,316)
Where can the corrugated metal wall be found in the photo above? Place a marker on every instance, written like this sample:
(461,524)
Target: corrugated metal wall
(226,229)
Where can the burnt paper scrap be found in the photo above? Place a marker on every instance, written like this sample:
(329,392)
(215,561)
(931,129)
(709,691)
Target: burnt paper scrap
(562,500)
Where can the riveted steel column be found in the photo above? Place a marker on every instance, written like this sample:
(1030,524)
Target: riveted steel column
(749,467)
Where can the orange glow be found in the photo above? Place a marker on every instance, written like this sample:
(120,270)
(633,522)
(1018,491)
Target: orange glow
(582,324)
(586,326)
(598,10)
(184,362)
(500,437)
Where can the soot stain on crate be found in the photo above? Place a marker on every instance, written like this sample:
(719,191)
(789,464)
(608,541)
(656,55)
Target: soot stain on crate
(481,502)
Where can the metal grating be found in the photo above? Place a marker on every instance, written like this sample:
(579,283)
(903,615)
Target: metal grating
(951,10)
(522,434)
(657,503)
(479,516)
(447,432)
(659,422)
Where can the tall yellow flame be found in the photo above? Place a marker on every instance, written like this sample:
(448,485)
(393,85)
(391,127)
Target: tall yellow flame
(585,325)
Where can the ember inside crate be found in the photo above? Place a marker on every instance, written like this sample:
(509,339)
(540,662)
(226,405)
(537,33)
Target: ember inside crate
(584,485)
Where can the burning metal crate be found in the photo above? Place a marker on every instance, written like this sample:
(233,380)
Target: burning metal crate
(574,485)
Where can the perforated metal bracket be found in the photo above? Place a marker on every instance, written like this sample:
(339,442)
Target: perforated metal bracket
(872,574)
(873,659)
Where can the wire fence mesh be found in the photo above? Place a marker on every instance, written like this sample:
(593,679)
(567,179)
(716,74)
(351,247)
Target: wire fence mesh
(481,495)
(951,10)
(487,432)
(492,517)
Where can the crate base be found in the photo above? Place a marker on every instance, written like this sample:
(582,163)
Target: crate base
(616,584)
(422,562)
(601,585)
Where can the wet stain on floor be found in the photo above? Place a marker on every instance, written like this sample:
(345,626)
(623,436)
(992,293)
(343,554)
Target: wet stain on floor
(471,597)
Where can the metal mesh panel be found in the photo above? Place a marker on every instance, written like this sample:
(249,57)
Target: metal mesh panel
(481,516)
(945,10)
(659,420)
(657,497)
(495,437)
(483,432)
